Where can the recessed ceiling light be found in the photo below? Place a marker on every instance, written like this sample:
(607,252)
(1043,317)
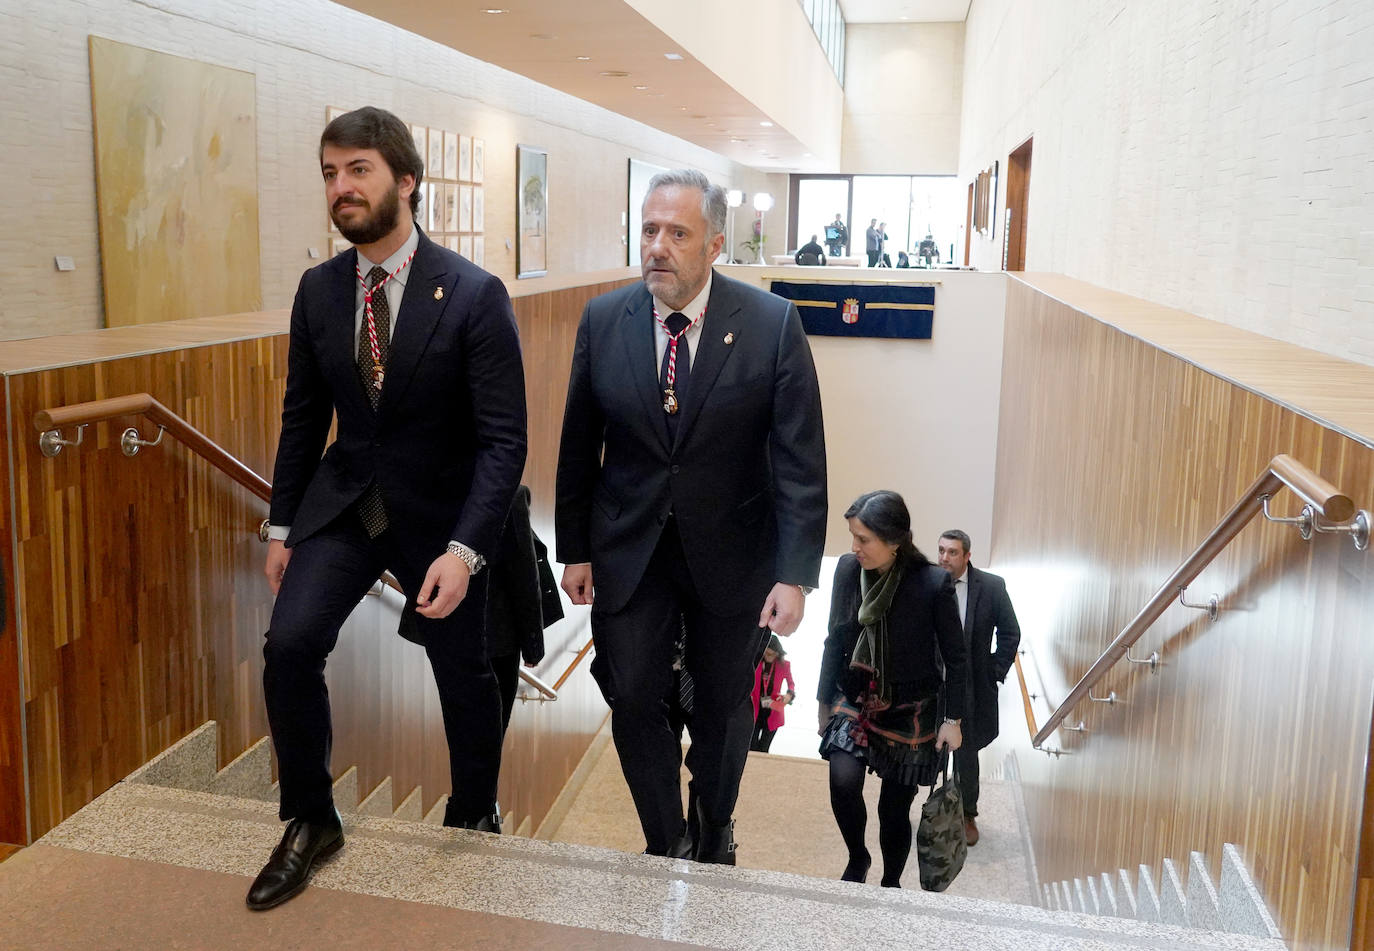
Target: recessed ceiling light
(543,36)
(641,87)
(700,117)
(766,124)
(495,10)
(614,73)
(672,56)
(733,139)
(584,59)
(682,108)
(807,155)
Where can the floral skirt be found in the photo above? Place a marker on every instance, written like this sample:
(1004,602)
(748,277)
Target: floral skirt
(896,743)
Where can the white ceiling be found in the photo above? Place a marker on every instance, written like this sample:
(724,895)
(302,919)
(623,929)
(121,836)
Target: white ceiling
(572,46)
(905,11)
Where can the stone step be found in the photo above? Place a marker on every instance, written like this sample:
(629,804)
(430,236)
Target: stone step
(595,888)
(1234,906)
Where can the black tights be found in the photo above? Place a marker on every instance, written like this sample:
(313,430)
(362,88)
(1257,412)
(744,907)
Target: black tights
(894,819)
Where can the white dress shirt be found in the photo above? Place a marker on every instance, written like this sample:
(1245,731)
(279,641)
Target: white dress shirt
(695,312)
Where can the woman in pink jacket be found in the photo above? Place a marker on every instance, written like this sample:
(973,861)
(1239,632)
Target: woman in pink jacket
(769,697)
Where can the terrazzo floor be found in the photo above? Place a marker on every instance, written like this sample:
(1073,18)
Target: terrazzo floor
(507,881)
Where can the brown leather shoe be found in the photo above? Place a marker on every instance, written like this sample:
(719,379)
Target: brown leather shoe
(288,870)
(970,830)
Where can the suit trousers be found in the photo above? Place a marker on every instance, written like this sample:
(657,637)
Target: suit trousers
(329,573)
(966,763)
(636,646)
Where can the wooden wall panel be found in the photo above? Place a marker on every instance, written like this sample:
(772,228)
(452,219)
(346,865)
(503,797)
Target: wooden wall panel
(1114,459)
(13,824)
(144,605)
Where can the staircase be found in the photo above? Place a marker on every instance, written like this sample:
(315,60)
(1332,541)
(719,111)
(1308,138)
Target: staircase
(177,820)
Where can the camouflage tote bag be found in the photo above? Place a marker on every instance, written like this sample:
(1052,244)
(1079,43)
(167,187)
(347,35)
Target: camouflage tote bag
(940,845)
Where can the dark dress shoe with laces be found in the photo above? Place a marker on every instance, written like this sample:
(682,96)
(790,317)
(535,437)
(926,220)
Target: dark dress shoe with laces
(288,870)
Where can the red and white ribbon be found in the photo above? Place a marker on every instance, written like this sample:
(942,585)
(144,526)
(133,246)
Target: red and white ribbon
(368,293)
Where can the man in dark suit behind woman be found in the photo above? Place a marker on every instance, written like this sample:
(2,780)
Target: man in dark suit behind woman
(985,610)
(414,352)
(691,488)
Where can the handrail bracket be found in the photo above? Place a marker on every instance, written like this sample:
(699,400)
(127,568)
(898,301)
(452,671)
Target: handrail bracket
(50,443)
(1305,520)
(1152,660)
(1357,528)
(1212,605)
(130,442)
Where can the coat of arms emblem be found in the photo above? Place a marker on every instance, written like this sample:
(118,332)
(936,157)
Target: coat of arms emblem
(851,310)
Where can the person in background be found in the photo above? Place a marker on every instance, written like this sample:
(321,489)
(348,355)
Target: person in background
(836,236)
(769,697)
(873,242)
(985,610)
(810,253)
(903,260)
(894,640)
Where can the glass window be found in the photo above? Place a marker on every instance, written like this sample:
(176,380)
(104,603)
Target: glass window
(818,201)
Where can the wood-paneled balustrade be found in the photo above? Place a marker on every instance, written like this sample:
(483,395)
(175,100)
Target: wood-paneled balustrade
(134,584)
(1117,452)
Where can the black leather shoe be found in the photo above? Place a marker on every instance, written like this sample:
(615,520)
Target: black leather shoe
(684,845)
(288,870)
(491,823)
(716,845)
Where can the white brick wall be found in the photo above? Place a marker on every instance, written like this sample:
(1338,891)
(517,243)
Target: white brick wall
(305,55)
(1213,156)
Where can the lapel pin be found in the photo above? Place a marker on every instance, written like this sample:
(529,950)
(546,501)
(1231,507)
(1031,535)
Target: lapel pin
(729,339)
(438,293)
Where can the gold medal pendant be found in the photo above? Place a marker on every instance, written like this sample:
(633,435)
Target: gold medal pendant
(670,402)
(378,374)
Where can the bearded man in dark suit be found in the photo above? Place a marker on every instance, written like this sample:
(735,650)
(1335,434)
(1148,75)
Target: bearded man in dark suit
(413,350)
(691,490)
(986,611)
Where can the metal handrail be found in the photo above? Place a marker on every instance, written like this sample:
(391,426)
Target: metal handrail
(1324,498)
(52,421)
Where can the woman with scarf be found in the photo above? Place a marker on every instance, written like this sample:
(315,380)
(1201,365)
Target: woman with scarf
(894,639)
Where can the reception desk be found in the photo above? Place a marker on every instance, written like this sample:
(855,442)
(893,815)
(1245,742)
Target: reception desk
(784,260)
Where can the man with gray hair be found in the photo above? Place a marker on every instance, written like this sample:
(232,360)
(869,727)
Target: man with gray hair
(691,491)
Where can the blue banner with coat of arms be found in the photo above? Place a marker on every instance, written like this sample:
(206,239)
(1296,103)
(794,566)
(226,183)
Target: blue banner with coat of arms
(862,310)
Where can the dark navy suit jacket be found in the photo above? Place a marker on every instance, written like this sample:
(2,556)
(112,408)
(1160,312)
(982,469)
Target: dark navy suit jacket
(447,442)
(745,477)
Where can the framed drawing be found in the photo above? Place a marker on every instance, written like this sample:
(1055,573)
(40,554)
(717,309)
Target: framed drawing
(434,207)
(465,247)
(479,209)
(450,207)
(464,208)
(338,246)
(451,242)
(450,155)
(332,112)
(464,158)
(531,209)
(417,132)
(479,250)
(479,160)
(434,164)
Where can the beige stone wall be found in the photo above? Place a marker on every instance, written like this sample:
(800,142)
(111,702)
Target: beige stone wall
(903,89)
(306,55)
(1210,157)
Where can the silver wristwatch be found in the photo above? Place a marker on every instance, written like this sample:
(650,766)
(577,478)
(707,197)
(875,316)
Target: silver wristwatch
(470,558)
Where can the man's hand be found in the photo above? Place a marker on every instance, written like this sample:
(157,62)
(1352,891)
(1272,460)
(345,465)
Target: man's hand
(450,574)
(277,557)
(782,612)
(577,583)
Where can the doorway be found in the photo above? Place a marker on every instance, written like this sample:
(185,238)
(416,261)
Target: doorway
(1018,200)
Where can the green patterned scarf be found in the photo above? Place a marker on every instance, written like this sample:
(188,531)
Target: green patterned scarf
(871,651)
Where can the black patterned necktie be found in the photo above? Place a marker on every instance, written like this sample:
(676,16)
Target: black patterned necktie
(370,508)
(676,324)
(381,319)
